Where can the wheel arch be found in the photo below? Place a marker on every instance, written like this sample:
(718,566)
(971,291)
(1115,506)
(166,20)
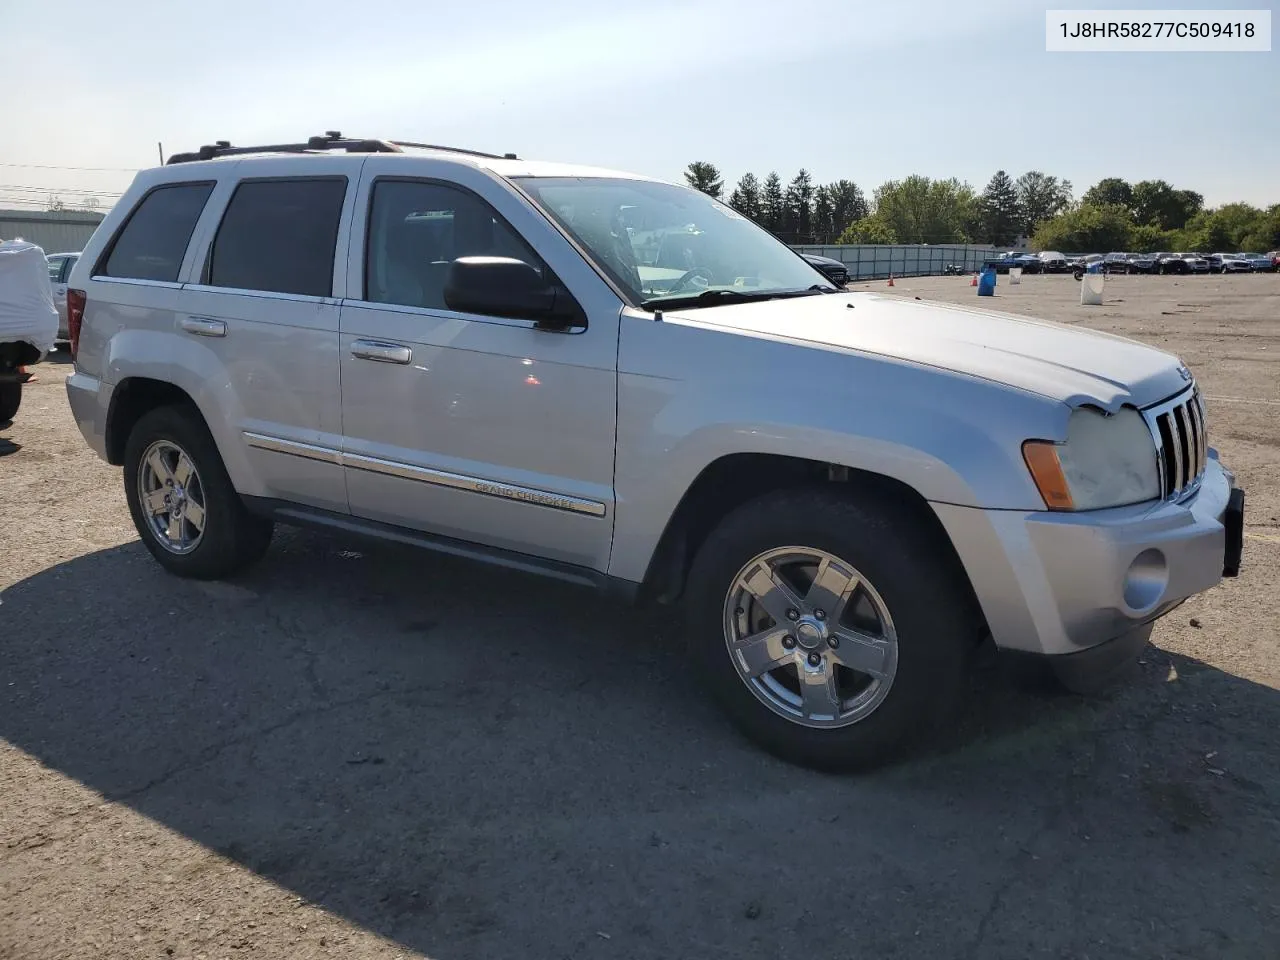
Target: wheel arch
(735,479)
(131,399)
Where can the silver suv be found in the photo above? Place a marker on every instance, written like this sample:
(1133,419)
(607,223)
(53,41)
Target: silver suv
(623,383)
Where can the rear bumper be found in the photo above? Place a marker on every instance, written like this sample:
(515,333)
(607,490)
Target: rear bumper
(90,399)
(1061,583)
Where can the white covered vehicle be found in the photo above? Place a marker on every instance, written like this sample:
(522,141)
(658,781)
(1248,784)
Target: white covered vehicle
(28,319)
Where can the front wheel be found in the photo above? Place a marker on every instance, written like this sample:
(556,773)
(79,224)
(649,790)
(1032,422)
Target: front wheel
(10,401)
(806,621)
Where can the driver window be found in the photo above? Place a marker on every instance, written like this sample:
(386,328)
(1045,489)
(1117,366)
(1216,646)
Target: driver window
(417,229)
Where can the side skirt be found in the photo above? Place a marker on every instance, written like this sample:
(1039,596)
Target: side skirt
(304,516)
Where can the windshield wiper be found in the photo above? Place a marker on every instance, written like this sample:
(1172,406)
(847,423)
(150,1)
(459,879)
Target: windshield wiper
(710,297)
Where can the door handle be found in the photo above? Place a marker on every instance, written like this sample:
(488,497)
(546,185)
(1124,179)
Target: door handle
(381,352)
(204,327)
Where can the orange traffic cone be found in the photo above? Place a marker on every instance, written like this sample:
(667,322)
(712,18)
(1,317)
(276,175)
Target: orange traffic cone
(891,279)
(974,281)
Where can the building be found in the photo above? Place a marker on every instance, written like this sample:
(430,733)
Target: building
(55,231)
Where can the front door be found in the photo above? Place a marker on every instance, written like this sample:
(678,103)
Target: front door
(479,428)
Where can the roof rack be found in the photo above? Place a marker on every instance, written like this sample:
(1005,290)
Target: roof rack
(332,140)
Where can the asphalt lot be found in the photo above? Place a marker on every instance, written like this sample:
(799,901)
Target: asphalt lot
(368,752)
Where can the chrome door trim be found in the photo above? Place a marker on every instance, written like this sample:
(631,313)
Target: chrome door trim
(459,481)
(439,478)
(292,448)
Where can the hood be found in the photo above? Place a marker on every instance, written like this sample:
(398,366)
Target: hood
(1066,363)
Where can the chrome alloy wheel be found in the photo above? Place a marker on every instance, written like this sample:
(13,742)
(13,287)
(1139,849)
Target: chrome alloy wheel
(171,497)
(810,637)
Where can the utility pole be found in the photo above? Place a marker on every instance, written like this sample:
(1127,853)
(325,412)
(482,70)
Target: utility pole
(160,148)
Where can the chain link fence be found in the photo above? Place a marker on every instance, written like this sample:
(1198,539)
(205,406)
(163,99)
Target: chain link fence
(877,261)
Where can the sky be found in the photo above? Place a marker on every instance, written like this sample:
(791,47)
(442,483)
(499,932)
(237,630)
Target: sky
(868,91)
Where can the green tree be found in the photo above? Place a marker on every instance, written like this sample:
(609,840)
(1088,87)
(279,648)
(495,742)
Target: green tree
(1110,191)
(1040,197)
(869,229)
(848,205)
(746,197)
(705,177)
(1148,238)
(1000,214)
(919,210)
(1231,228)
(824,230)
(1088,228)
(772,204)
(799,202)
(1156,202)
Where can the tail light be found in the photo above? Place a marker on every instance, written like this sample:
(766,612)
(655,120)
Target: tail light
(75,317)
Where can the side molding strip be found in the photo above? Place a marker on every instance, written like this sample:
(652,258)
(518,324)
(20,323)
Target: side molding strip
(439,478)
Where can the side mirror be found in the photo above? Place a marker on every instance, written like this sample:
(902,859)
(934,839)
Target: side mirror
(505,287)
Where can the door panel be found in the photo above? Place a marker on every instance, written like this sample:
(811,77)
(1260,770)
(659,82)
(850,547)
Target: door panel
(490,429)
(265,303)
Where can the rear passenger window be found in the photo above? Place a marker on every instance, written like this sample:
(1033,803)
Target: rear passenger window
(279,236)
(417,229)
(155,237)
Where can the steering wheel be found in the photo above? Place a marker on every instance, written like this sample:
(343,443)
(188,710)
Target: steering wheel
(689,275)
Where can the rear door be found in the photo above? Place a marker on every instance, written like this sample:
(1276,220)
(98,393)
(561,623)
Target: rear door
(481,428)
(266,300)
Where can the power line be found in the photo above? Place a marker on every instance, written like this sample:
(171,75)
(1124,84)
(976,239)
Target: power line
(42,166)
(29,188)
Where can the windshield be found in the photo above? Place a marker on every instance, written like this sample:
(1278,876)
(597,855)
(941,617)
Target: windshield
(660,242)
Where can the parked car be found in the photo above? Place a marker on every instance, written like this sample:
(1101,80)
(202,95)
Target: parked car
(1258,262)
(833,270)
(845,492)
(1172,263)
(1115,263)
(28,320)
(1229,263)
(1275,259)
(60,265)
(1052,261)
(1001,264)
(1142,263)
(1197,263)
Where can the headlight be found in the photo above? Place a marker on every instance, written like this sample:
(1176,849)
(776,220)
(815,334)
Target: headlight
(1106,461)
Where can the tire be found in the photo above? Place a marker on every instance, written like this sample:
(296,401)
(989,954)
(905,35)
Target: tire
(228,538)
(923,647)
(10,401)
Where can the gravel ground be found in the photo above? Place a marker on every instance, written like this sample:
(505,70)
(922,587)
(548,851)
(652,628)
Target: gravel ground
(367,752)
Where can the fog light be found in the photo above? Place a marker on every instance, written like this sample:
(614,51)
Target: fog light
(1145,580)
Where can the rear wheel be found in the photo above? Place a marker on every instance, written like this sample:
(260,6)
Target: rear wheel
(183,504)
(806,620)
(10,401)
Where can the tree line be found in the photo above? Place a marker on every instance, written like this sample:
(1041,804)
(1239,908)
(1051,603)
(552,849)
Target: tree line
(1111,215)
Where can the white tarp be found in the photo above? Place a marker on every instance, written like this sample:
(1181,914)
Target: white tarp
(26,300)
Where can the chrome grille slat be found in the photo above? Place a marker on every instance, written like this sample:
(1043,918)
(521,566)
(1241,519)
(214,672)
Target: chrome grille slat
(1175,441)
(1179,430)
(1193,433)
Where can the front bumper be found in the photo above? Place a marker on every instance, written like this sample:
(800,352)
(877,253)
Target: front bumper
(1061,583)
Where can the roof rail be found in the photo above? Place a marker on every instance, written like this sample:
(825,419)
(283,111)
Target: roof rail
(332,140)
(471,153)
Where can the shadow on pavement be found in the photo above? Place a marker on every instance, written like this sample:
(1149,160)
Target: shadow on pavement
(477,763)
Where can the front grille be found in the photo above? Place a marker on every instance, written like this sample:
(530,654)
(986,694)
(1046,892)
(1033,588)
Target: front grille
(1182,442)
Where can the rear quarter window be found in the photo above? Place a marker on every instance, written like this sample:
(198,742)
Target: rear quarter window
(153,241)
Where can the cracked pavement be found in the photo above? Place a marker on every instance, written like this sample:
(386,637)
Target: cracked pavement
(363,751)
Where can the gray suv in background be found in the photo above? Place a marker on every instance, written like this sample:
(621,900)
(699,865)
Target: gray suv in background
(60,265)
(623,383)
